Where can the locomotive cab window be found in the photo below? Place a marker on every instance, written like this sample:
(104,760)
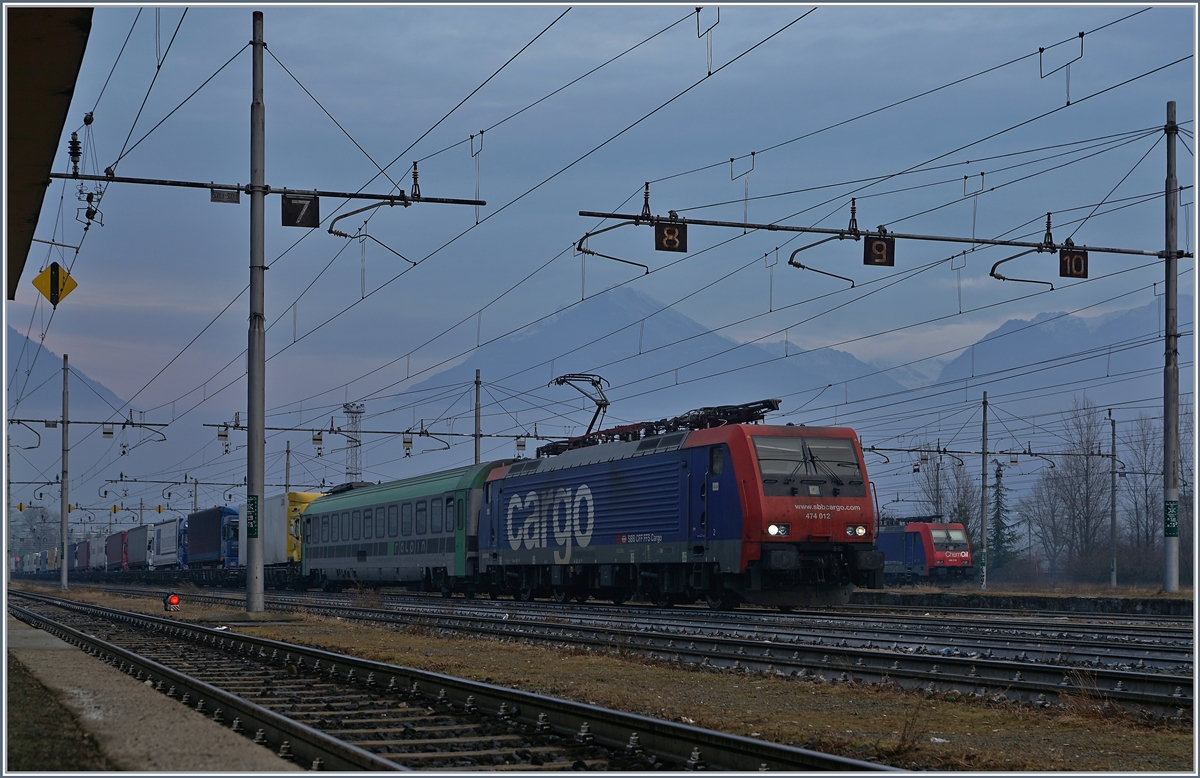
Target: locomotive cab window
(809,467)
(716,462)
(948,539)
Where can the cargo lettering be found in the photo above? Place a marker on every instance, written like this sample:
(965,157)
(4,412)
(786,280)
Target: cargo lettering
(556,518)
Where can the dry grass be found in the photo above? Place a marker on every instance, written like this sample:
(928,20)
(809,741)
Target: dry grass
(908,729)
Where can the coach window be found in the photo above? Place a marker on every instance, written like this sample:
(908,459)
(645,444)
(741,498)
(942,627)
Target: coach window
(716,463)
(422,517)
(406,519)
(368,524)
(355,524)
(435,517)
(307,529)
(344,525)
(324,529)
(449,514)
(393,521)
(462,513)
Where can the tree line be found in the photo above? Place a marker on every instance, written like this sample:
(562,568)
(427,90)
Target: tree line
(1059,529)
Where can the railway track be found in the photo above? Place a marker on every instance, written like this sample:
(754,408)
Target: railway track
(1035,670)
(337,712)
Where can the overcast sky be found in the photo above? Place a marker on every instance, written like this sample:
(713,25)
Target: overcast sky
(940,120)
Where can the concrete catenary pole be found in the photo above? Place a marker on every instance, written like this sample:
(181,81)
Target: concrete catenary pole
(983,519)
(1171,371)
(1112,506)
(256,367)
(62,556)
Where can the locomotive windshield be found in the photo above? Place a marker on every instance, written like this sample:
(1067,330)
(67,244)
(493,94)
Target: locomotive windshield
(948,539)
(809,467)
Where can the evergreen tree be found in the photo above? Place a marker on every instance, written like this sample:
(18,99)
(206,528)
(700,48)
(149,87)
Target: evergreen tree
(1002,535)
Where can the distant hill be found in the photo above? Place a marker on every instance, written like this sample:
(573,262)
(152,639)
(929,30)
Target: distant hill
(1102,345)
(34,384)
(698,368)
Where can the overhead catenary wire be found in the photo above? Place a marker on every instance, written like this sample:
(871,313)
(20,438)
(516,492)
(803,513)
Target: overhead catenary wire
(911,98)
(243,291)
(149,89)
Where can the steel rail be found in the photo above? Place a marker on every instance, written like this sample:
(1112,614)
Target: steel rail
(296,741)
(979,676)
(720,751)
(1045,648)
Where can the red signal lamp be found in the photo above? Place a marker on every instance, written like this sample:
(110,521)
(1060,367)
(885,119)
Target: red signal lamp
(171,602)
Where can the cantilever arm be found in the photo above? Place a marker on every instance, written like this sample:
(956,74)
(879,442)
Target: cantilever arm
(999,277)
(792,261)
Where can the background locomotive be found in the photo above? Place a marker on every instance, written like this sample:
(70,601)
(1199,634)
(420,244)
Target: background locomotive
(922,551)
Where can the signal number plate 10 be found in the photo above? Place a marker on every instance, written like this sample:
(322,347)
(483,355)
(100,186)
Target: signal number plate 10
(1072,263)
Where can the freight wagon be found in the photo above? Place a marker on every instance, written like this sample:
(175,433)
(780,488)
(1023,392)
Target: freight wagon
(140,544)
(213,538)
(279,529)
(170,544)
(97,555)
(116,549)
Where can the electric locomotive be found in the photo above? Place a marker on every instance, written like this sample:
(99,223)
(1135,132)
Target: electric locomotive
(709,505)
(926,551)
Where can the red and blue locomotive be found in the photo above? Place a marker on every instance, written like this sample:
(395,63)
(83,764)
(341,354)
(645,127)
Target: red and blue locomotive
(925,551)
(705,506)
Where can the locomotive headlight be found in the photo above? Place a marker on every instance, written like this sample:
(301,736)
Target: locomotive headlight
(860,530)
(779,530)
(852,530)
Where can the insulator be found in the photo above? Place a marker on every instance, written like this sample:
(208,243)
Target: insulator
(75,151)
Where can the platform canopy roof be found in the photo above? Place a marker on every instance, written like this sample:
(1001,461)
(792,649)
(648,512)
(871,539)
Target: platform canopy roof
(44,49)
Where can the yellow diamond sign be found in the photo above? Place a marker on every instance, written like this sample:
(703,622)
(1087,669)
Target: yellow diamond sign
(54,283)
